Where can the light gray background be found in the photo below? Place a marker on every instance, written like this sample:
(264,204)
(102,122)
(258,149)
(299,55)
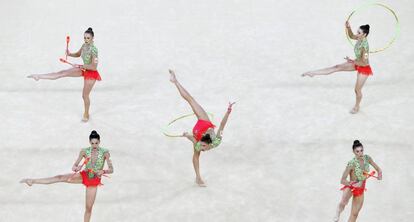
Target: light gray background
(286,143)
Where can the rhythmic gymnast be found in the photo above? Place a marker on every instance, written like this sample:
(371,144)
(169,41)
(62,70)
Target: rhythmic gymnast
(358,171)
(360,63)
(203,138)
(94,161)
(88,70)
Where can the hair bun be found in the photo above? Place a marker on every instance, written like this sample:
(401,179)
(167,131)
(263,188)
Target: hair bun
(90,31)
(356,144)
(94,135)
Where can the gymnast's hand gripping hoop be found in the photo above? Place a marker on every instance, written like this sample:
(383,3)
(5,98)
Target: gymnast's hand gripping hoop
(397,26)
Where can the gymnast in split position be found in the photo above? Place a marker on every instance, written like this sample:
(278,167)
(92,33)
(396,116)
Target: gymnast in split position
(204,137)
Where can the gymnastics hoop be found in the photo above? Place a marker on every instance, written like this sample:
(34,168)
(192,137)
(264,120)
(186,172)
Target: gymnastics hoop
(164,131)
(397,27)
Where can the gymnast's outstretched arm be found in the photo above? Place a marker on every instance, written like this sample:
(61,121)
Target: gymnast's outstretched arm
(224,121)
(349,31)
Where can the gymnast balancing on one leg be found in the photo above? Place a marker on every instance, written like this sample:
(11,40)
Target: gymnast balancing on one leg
(204,138)
(88,70)
(360,64)
(358,172)
(95,157)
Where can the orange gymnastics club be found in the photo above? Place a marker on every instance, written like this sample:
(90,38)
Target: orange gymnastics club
(92,171)
(370,174)
(66,61)
(366,174)
(67,46)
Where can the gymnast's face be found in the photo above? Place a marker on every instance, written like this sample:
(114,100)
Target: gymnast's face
(204,146)
(360,34)
(359,151)
(94,143)
(88,38)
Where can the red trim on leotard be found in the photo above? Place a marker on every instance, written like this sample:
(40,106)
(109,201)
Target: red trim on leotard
(90,182)
(200,128)
(364,70)
(91,74)
(356,191)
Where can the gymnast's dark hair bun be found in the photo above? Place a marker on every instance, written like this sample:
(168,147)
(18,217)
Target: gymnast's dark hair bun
(356,144)
(206,138)
(94,135)
(365,29)
(90,31)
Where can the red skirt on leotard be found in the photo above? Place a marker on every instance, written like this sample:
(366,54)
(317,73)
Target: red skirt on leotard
(90,182)
(200,128)
(91,74)
(364,70)
(356,191)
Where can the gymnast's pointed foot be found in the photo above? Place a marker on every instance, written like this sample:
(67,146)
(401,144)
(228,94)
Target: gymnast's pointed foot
(200,182)
(354,110)
(310,74)
(173,79)
(85,117)
(33,76)
(29,182)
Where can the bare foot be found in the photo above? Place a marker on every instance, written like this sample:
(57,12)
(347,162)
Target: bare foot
(85,118)
(29,182)
(35,77)
(200,182)
(307,74)
(354,110)
(173,79)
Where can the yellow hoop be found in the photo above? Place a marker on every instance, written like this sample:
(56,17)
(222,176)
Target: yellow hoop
(397,27)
